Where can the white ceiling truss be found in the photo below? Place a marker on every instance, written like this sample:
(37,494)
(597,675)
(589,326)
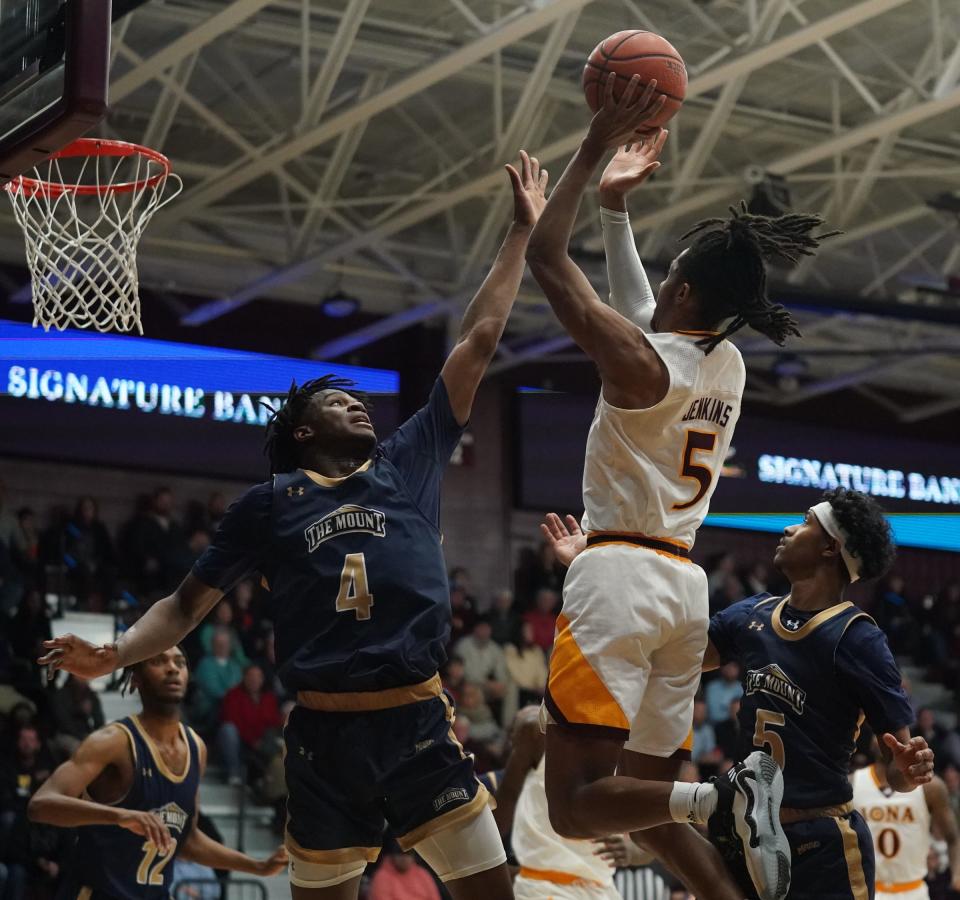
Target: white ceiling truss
(358,145)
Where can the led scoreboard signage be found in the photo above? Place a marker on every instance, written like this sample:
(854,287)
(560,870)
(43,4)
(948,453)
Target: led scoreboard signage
(91,397)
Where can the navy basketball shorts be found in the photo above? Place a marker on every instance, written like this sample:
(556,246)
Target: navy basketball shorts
(351,773)
(831,859)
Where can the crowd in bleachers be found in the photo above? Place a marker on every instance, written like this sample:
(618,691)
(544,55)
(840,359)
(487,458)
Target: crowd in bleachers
(497,662)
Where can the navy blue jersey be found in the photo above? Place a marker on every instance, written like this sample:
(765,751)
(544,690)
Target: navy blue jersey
(112,862)
(354,565)
(809,681)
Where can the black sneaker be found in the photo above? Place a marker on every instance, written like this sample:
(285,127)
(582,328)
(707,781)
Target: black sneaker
(752,791)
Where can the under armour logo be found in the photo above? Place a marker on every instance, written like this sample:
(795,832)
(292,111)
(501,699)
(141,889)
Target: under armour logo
(147,773)
(307,754)
(756,626)
(792,624)
(294,492)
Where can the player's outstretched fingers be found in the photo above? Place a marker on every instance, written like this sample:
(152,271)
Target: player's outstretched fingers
(554,527)
(573,526)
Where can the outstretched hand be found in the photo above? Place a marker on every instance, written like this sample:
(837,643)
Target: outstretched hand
(566,539)
(79,657)
(914,760)
(529,190)
(633,164)
(628,119)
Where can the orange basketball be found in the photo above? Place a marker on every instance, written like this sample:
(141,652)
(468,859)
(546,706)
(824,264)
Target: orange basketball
(643,53)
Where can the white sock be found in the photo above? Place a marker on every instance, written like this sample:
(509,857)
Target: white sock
(693,803)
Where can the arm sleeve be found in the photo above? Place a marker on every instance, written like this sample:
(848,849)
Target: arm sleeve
(422,446)
(864,662)
(242,538)
(630,292)
(724,627)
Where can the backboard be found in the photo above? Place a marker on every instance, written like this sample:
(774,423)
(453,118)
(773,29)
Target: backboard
(54,67)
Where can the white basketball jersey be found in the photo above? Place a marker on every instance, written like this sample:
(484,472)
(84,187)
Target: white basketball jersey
(652,471)
(900,825)
(537,846)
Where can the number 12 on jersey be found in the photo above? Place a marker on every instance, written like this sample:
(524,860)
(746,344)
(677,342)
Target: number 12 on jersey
(354,590)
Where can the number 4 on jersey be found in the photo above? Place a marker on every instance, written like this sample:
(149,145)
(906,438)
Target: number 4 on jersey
(354,592)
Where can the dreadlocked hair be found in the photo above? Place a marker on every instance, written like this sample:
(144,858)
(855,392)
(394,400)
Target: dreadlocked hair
(727,265)
(280,446)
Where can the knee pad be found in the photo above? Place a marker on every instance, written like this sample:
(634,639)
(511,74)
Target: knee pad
(464,849)
(306,874)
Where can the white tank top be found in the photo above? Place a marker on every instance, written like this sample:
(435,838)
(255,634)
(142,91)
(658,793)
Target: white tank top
(900,825)
(537,846)
(653,471)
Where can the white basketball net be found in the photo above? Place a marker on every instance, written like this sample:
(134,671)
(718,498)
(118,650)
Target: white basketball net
(82,248)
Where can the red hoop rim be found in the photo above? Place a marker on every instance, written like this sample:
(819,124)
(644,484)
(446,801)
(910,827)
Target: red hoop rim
(95,147)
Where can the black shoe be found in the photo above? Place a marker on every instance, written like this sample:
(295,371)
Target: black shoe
(752,792)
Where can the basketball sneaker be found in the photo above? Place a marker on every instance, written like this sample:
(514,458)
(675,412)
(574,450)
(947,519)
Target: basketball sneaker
(752,792)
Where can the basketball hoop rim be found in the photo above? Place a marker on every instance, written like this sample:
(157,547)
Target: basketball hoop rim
(95,147)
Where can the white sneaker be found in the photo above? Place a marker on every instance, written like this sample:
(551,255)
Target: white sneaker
(755,792)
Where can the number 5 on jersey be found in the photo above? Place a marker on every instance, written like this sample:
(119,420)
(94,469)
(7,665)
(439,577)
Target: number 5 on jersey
(354,590)
(696,442)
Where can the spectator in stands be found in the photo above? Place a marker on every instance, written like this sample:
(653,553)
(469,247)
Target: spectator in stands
(8,524)
(722,691)
(951,778)
(453,678)
(757,578)
(88,551)
(215,675)
(462,616)
(504,619)
(399,877)
(222,622)
(527,665)
(30,627)
(186,871)
(893,613)
(705,750)
(718,567)
(538,571)
(483,726)
(26,546)
(944,743)
(157,546)
(21,773)
(244,619)
(730,591)
(76,713)
(728,733)
(485,664)
(250,725)
(543,617)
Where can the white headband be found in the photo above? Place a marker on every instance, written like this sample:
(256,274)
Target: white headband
(824,513)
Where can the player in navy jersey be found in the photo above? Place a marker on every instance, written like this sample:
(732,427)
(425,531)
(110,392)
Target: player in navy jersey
(814,667)
(347,537)
(131,789)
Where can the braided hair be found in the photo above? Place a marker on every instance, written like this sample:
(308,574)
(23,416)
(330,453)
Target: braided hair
(280,446)
(727,265)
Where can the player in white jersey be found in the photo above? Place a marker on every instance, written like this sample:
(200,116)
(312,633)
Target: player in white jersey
(551,867)
(633,629)
(900,825)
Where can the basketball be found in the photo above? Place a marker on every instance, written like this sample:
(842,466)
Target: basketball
(643,53)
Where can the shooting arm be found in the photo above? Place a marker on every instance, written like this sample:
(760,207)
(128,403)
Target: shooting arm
(632,373)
